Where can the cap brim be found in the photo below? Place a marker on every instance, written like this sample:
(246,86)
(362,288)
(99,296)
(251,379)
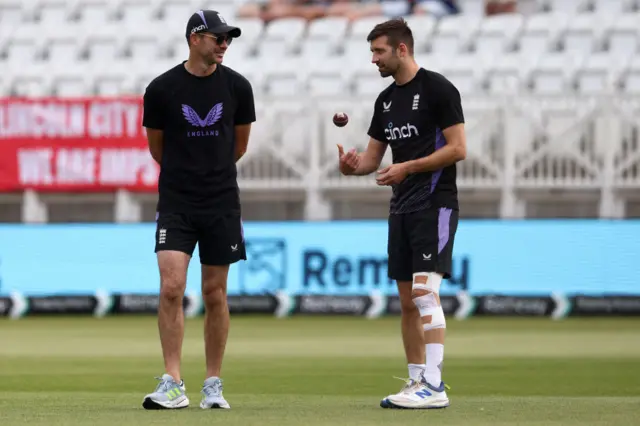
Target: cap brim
(234,32)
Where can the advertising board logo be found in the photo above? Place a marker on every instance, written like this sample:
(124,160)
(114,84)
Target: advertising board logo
(266,266)
(322,272)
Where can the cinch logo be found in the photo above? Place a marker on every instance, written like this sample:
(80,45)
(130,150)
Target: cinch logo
(198,28)
(194,119)
(404,132)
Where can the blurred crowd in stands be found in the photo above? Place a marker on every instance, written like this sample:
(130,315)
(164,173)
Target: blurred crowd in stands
(269,10)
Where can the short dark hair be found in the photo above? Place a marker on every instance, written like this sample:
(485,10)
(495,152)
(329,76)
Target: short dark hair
(396,30)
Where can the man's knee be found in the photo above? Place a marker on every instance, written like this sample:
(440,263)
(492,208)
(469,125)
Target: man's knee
(407,307)
(173,274)
(425,294)
(214,285)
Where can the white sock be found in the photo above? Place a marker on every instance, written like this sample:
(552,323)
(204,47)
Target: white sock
(415,371)
(435,355)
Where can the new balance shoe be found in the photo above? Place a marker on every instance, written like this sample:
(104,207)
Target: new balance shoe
(421,395)
(408,385)
(167,395)
(212,394)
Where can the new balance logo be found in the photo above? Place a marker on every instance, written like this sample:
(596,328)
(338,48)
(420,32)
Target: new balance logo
(423,393)
(162,236)
(416,101)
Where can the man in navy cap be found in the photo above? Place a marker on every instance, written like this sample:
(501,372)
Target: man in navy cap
(198,117)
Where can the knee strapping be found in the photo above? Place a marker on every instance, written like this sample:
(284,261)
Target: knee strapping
(425,294)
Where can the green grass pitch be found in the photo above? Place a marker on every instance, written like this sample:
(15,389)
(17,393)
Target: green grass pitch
(322,371)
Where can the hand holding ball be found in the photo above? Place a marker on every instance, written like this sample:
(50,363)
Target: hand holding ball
(340,119)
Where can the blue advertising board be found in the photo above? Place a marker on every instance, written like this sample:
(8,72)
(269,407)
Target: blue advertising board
(333,258)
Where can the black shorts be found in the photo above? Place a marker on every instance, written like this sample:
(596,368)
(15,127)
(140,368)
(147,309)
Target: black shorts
(421,242)
(220,237)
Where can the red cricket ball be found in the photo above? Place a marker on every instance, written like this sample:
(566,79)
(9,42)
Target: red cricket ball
(340,119)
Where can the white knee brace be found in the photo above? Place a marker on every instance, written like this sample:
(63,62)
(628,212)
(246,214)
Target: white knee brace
(426,286)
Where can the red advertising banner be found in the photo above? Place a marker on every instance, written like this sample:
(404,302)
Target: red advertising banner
(61,145)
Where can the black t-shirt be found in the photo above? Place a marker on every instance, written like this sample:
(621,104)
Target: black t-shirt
(410,118)
(198,116)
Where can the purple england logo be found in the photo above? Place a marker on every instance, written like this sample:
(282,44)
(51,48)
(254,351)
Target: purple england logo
(194,119)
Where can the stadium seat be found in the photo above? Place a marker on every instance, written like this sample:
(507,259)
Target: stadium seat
(497,33)
(131,13)
(21,49)
(355,48)
(623,33)
(62,50)
(103,48)
(422,27)
(252,29)
(10,13)
(71,83)
(179,10)
(281,37)
(360,28)
(143,49)
(453,34)
(226,8)
(325,78)
(52,12)
(541,31)
(565,6)
(581,34)
(108,82)
(552,73)
(507,74)
(32,81)
(465,72)
(630,78)
(367,82)
(613,6)
(599,73)
(254,70)
(324,35)
(239,50)
(285,79)
(94,13)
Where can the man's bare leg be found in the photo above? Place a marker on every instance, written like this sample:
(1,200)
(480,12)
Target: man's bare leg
(426,295)
(412,338)
(216,331)
(173,281)
(169,393)
(412,331)
(430,391)
(216,318)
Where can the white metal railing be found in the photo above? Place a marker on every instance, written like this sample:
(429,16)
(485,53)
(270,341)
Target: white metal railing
(516,146)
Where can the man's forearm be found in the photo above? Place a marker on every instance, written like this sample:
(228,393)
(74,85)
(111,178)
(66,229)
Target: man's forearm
(366,167)
(445,156)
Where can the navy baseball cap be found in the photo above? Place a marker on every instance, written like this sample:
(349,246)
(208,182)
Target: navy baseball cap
(210,21)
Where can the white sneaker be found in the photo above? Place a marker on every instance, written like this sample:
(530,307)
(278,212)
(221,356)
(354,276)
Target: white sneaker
(420,395)
(167,395)
(212,394)
(408,385)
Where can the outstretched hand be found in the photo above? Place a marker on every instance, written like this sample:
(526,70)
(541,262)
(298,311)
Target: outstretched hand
(392,175)
(349,162)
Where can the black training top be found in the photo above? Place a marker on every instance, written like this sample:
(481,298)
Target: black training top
(197,115)
(410,118)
